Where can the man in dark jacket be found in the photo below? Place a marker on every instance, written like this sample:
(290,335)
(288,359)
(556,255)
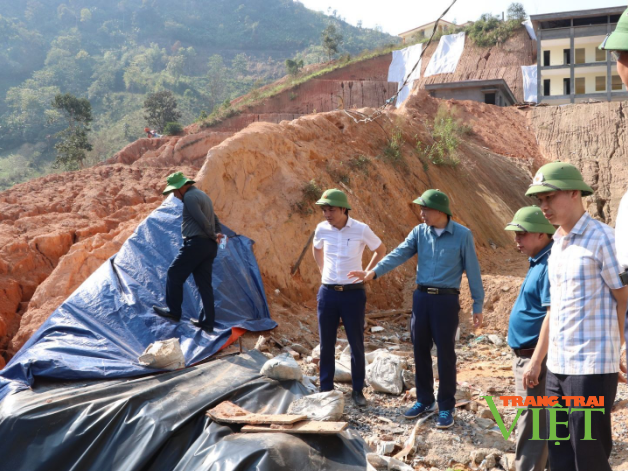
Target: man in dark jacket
(200,228)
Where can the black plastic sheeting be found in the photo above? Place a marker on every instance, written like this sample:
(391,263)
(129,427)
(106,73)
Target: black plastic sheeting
(107,323)
(158,423)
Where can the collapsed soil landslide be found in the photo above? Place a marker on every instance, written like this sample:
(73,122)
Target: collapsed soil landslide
(56,230)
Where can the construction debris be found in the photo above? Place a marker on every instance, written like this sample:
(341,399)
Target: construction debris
(228,412)
(306,426)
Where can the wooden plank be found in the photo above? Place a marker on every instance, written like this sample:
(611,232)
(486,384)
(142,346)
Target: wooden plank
(229,413)
(393,312)
(296,265)
(306,426)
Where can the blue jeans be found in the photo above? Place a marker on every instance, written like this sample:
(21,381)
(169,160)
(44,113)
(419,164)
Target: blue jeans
(348,306)
(196,257)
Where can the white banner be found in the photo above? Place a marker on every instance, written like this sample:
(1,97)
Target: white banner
(529,83)
(529,29)
(447,55)
(402,62)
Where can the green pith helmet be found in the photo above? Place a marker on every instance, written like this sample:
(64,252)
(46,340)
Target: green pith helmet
(334,197)
(175,181)
(558,176)
(530,219)
(434,199)
(618,39)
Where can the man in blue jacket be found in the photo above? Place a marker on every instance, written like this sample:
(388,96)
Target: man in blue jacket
(445,250)
(533,236)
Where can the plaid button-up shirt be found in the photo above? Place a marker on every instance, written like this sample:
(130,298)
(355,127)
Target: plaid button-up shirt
(584,331)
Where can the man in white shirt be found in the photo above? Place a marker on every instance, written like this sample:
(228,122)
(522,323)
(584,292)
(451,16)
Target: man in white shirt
(338,245)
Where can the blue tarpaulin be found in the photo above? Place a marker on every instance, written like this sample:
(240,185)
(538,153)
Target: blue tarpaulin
(107,323)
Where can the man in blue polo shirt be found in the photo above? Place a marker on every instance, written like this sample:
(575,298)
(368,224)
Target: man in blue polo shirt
(445,250)
(533,238)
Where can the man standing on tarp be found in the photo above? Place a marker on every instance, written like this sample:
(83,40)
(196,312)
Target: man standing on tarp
(338,245)
(445,250)
(533,236)
(200,228)
(617,44)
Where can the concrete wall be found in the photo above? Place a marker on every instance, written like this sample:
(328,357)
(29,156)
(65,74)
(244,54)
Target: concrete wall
(556,53)
(473,94)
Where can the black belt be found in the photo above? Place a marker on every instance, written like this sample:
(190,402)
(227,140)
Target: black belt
(430,290)
(345,287)
(523,352)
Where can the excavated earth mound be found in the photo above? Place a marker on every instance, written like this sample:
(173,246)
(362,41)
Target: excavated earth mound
(56,230)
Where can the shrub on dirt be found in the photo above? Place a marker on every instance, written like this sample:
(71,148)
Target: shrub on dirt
(391,152)
(446,131)
(359,163)
(172,129)
(311,192)
(490,30)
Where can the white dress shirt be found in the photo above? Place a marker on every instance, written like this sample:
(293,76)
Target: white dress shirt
(343,249)
(621,232)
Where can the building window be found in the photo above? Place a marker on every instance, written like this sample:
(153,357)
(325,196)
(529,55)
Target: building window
(566,86)
(489,98)
(580,57)
(546,58)
(546,87)
(616,83)
(580,86)
(566,57)
(600,55)
(600,84)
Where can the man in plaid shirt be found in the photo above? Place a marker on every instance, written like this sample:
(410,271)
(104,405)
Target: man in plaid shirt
(581,332)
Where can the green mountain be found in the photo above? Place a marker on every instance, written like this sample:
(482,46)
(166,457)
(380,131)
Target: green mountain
(114,53)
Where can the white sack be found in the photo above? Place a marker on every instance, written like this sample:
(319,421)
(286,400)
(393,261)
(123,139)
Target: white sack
(163,354)
(328,405)
(384,374)
(282,367)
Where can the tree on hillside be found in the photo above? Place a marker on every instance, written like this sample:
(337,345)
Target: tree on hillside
(73,142)
(331,40)
(161,109)
(516,12)
(294,66)
(216,74)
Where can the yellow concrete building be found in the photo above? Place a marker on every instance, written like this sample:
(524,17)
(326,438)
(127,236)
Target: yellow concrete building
(570,67)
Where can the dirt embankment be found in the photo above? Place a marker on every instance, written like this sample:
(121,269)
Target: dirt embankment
(256,178)
(592,137)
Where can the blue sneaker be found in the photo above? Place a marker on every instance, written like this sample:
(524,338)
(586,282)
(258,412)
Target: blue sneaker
(445,418)
(417,409)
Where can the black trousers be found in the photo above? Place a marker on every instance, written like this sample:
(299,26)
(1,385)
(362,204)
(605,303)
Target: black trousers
(435,320)
(196,257)
(576,454)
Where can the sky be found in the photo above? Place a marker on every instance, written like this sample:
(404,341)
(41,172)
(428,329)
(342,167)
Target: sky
(397,16)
